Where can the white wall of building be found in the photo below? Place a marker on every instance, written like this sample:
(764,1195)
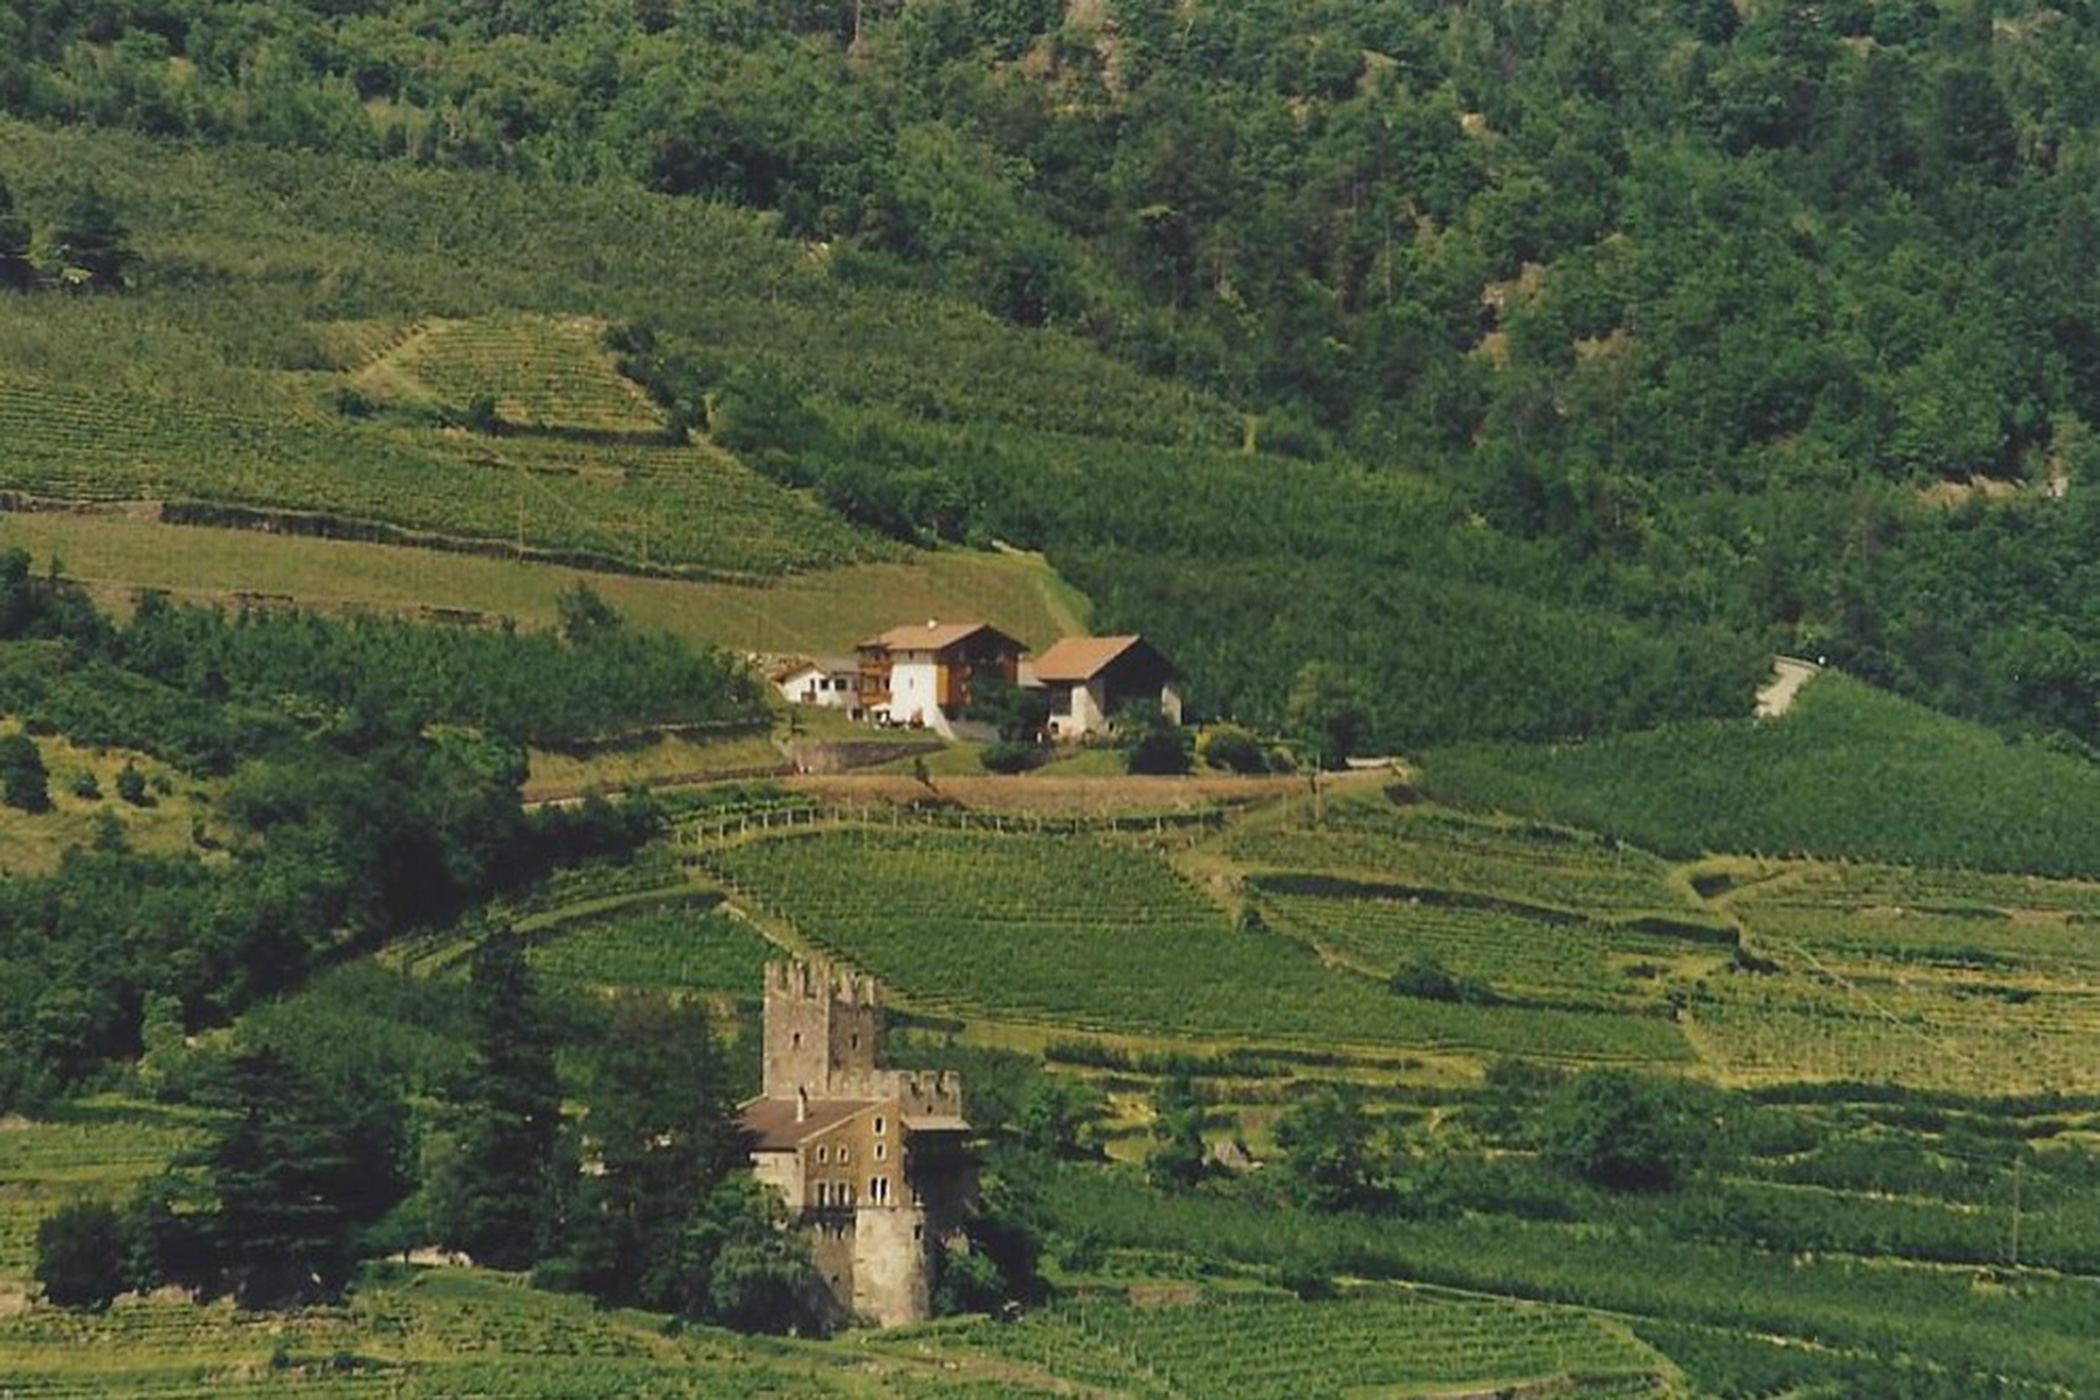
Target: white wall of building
(813,685)
(1086,714)
(915,692)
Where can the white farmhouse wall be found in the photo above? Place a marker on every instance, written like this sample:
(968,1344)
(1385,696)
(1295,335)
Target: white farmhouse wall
(813,685)
(1088,713)
(915,691)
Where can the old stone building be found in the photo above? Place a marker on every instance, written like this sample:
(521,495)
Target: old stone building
(874,1162)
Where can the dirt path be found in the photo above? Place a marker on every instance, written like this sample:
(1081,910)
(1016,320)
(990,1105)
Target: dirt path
(1789,674)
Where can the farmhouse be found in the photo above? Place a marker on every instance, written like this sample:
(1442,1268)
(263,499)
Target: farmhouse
(1090,679)
(873,1162)
(830,681)
(923,674)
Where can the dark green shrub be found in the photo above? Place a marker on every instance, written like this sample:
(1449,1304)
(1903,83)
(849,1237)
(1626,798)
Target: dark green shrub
(1012,756)
(1624,1132)
(80,1255)
(1426,977)
(1232,748)
(24,781)
(131,785)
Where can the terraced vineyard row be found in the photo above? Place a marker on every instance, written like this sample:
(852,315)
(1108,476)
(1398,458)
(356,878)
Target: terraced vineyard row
(100,1148)
(542,371)
(1513,954)
(430,1334)
(1875,886)
(1366,1342)
(668,947)
(1963,1037)
(1088,933)
(1893,933)
(1539,864)
(666,505)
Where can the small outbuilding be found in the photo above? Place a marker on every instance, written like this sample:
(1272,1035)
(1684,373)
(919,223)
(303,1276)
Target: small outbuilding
(1089,680)
(830,681)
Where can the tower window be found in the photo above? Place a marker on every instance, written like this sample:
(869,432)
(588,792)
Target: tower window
(823,1155)
(795,1040)
(845,1154)
(878,1125)
(882,1150)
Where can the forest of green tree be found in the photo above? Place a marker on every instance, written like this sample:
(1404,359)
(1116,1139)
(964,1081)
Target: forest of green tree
(1688,306)
(356,807)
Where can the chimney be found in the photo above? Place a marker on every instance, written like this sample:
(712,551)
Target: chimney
(801,1104)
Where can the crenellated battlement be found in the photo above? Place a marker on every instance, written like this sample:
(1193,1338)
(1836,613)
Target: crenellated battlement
(820,980)
(922,1092)
(823,1030)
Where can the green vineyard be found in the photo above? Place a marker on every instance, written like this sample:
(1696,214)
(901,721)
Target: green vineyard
(1889,886)
(1536,864)
(1179,1344)
(685,947)
(95,1148)
(1940,1034)
(543,372)
(1978,939)
(1087,933)
(684,507)
(1514,955)
(418,1334)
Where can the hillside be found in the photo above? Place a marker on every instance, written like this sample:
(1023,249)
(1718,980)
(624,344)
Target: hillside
(1906,1049)
(1849,772)
(420,422)
(335,397)
(1750,328)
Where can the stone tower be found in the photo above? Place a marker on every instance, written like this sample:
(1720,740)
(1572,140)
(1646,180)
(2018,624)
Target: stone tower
(874,1163)
(823,1032)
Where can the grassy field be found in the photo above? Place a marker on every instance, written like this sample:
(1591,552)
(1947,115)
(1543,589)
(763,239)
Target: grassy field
(669,759)
(31,843)
(825,610)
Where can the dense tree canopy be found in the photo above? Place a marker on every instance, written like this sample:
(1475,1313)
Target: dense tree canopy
(1692,313)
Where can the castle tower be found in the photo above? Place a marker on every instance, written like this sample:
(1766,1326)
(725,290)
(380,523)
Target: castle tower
(873,1163)
(823,1032)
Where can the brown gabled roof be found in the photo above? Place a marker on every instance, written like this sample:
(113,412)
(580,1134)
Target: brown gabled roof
(771,1125)
(932,636)
(1081,658)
